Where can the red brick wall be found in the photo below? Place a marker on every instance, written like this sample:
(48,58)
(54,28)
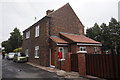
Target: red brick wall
(41,41)
(68,62)
(65,64)
(73,48)
(90,49)
(81,64)
(65,20)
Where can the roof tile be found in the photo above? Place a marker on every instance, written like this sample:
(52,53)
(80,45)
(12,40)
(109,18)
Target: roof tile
(79,38)
(57,39)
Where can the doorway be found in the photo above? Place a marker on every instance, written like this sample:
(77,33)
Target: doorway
(52,58)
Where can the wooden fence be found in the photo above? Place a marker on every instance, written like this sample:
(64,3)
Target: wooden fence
(103,65)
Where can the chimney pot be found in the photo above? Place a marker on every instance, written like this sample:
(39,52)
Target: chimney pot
(49,11)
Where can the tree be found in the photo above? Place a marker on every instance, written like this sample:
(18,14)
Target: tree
(94,32)
(114,29)
(7,46)
(109,35)
(15,41)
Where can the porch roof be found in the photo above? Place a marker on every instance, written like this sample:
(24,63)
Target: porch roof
(58,40)
(79,38)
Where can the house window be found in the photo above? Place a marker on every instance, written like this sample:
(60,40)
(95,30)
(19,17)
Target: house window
(26,52)
(36,31)
(36,51)
(96,50)
(63,50)
(27,34)
(82,48)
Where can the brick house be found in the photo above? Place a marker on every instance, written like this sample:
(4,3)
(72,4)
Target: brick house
(58,31)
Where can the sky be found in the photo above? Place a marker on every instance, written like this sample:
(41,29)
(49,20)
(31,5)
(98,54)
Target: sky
(22,13)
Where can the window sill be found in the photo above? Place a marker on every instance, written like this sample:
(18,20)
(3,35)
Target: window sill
(36,57)
(36,36)
(82,52)
(61,59)
(26,38)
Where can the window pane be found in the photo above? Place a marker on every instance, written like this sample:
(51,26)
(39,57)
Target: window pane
(36,31)
(36,51)
(82,48)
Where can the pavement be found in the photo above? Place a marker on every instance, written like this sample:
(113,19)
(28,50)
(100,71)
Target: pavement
(67,75)
(61,73)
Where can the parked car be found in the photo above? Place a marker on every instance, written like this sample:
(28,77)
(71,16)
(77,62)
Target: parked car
(10,56)
(20,57)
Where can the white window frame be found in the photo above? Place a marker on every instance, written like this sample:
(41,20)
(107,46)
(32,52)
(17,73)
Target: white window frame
(36,51)
(96,50)
(27,52)
(37,31)
(63,53)
(27,34)
(82,50)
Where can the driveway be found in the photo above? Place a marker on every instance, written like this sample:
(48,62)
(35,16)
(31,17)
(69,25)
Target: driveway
(24,71)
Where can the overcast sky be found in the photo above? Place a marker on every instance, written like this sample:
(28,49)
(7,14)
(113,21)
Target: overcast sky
(21,13)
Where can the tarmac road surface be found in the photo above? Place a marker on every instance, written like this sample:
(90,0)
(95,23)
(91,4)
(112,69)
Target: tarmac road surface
(24,71)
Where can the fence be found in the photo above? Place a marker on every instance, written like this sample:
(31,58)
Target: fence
(103,65)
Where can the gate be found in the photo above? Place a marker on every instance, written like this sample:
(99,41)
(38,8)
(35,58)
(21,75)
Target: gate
(74,62)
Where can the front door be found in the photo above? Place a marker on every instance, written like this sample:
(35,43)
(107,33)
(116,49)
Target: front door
(52,57)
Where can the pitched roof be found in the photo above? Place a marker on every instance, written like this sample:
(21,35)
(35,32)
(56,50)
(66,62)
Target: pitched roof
(79,38)
(64,6)
(57,39)
(49,15)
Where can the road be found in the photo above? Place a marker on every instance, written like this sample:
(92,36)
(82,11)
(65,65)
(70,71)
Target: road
(24,71)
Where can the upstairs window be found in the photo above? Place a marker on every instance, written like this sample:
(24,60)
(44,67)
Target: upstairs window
(27,34)
(36,31)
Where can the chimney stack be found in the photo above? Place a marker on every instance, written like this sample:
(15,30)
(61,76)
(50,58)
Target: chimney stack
(48,12)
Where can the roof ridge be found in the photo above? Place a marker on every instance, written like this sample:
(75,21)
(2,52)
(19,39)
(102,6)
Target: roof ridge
(72,34)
